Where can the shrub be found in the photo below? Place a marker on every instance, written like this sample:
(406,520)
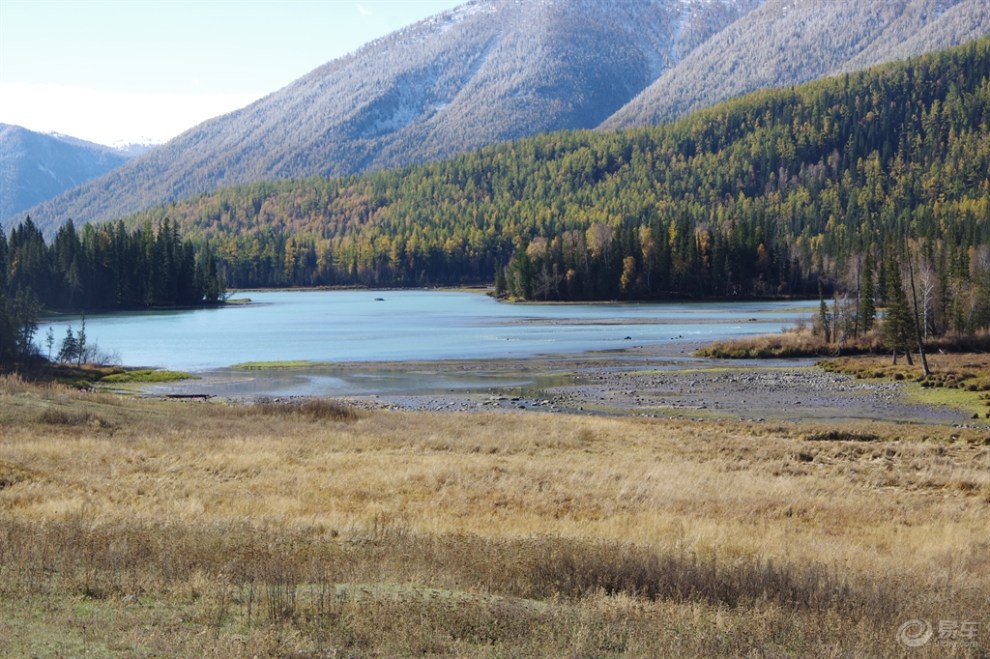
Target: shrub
(58,417)
(317,409)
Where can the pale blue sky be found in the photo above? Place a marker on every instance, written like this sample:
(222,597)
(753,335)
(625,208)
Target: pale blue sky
(134,70)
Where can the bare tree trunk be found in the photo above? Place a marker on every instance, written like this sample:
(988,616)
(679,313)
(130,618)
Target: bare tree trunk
(917,326)
(927,293)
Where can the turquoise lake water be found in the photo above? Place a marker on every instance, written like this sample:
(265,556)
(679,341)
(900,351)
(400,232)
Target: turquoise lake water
(357,326)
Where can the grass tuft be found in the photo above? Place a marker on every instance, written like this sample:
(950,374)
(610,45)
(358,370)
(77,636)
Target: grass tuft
(144,376)
(12,474)
(316,409)
(13,383)
(274,365)
(842,436)
(61,417)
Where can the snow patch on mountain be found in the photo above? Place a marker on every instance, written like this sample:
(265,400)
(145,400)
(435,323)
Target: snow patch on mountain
(45,170)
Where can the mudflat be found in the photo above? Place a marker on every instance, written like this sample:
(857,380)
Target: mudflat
(657,381)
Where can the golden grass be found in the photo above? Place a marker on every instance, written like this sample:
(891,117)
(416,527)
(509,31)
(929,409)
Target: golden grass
(801,342)
(132,527)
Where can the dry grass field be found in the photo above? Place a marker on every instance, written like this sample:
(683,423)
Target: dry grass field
(148,528)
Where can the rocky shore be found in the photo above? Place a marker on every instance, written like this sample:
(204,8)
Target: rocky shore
(652,381)
(665,386)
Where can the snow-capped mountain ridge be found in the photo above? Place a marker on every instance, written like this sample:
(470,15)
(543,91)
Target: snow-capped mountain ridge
(495,70)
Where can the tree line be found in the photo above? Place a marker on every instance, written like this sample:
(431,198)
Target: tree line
(99,268)
(773,194)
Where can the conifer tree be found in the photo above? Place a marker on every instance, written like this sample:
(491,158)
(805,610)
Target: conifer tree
(897,323)
(499,281)
(70,347)
(824,318)
(867,312)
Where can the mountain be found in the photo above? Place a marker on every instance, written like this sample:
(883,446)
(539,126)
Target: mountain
(785,42)
(488,71)
(497,70)
(35,167)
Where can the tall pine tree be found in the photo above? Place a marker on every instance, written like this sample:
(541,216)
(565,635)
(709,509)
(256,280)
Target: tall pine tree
(898,327)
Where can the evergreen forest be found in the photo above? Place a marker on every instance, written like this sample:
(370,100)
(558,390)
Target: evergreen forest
(99,268)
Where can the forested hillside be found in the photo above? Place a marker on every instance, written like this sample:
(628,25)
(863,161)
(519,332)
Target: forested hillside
(767,195)
(489,71)
(872,186)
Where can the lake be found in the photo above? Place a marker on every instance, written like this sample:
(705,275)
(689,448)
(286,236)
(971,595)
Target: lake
(408,325)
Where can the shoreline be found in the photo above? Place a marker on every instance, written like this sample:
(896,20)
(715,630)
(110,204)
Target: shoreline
(661,381)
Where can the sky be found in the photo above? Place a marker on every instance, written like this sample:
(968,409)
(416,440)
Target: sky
(133,71)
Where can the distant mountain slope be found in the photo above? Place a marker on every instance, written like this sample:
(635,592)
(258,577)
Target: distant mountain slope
(489,71)
(35,167)
(496,70)
(786,42)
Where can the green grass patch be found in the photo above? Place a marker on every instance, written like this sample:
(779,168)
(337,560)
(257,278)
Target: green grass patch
(76,626)
(970,402)
(960,381)
(739,369)
(145,376)
(274,365)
